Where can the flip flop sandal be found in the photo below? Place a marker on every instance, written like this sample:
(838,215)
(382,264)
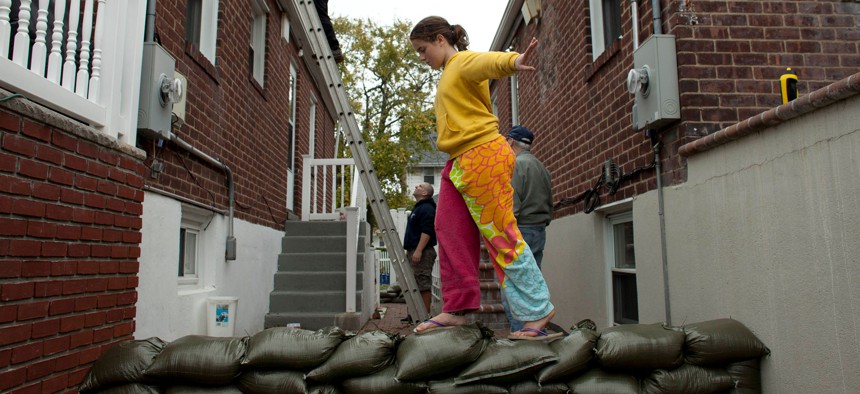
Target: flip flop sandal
(438,326)
(542,335)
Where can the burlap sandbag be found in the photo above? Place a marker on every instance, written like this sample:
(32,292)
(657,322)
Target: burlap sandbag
(324,389)
(229,389)
(382,382)
(122,363)
(292,348)
(687,379)
(272,381)
(435,353)
(361,355)
(198,360)
(598,381)
(131,388)
(507,361)
(640,347)
(720,342)
(532,387)
(747,376)
(449,387)
(575,354)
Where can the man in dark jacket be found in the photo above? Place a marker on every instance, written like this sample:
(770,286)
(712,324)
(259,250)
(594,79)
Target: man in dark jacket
(420,239)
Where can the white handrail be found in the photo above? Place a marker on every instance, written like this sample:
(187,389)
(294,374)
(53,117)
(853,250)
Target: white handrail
(352,223)
(323,189)
(100,65)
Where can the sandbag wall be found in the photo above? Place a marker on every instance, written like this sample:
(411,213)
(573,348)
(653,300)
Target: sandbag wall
(718,356)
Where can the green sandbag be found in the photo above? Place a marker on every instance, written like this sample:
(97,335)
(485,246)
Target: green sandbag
(361,355)
(720,342)
(272,381)
(324,389)
(747,375)
(532,387)
(292,348)
(122,363)
(687,379)
(575,354)
(382,382)
(202,390)
(640,347)
(438,352)
(598,381)
(131,388)
(198,360)
(449,387)
(507,361)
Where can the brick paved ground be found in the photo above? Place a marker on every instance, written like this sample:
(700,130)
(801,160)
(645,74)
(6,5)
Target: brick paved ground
(389,321)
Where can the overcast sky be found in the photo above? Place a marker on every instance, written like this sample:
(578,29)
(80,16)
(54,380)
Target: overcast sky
(480,18)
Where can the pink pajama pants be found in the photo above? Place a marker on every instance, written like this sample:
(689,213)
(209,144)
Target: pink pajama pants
(476,203)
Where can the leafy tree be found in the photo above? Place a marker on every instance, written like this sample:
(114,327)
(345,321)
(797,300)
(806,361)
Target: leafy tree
(391,92)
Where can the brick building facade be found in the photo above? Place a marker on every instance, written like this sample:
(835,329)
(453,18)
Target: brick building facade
(70,206)
(730,55)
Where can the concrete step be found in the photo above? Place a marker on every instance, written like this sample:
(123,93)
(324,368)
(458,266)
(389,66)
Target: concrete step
(317,244)
(318,228)
(285,301)
(314,280)
(308,321)
(318,262)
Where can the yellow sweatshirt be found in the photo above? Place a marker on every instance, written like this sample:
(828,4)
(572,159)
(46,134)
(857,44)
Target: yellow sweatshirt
(464,114)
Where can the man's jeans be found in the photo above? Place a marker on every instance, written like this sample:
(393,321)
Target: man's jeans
(535,237)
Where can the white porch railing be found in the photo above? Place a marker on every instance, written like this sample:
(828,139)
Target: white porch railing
(88,68)
(328,185)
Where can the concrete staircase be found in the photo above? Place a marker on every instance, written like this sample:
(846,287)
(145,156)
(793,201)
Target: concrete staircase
(310,284)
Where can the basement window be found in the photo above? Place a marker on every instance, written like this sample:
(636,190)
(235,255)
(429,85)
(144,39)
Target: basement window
(192,231)
(621,258)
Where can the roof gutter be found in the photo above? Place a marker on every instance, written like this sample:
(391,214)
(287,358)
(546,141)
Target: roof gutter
(508,25)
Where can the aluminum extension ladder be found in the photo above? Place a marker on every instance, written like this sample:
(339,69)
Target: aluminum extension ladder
(321,51)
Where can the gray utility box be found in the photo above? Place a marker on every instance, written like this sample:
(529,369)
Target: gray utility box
(657,103)
(154,113)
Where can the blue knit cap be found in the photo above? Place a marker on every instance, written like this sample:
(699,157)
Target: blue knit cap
(521,134)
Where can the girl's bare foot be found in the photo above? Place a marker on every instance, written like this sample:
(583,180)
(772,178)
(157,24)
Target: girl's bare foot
(441,320)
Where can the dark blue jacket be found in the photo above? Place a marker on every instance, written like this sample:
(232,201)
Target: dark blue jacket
(421,220)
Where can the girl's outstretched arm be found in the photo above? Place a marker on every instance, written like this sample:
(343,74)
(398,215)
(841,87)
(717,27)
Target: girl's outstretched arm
(522,62)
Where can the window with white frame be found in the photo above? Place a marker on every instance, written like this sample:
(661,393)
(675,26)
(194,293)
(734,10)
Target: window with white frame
(191,233)
(430,175)
(291,137)
(621,257)
(605,24)
(257,48)
(285,27)
(515,100)
(201,26)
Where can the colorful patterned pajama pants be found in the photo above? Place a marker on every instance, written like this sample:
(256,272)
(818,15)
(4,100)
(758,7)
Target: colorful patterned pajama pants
(476,202)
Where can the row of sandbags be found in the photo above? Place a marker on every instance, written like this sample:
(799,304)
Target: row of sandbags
(718,356)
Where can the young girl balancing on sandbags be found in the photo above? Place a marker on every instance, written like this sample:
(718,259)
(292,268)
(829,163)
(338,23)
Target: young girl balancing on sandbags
(476,197)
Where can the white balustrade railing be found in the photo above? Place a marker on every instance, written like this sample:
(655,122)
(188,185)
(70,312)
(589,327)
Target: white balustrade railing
(328,185)
(87,68)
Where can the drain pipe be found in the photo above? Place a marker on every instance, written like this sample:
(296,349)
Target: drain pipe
(658,20)
(230,252)
(634,17)
(658,145)
(149,25)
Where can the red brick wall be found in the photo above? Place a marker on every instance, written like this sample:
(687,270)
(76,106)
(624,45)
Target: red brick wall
(728,64)
(69,244)
(229,116)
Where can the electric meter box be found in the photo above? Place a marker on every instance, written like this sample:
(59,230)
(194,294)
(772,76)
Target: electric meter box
(657,102)
(154,114)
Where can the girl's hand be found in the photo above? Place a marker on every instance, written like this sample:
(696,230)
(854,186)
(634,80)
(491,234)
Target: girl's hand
(522,61)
